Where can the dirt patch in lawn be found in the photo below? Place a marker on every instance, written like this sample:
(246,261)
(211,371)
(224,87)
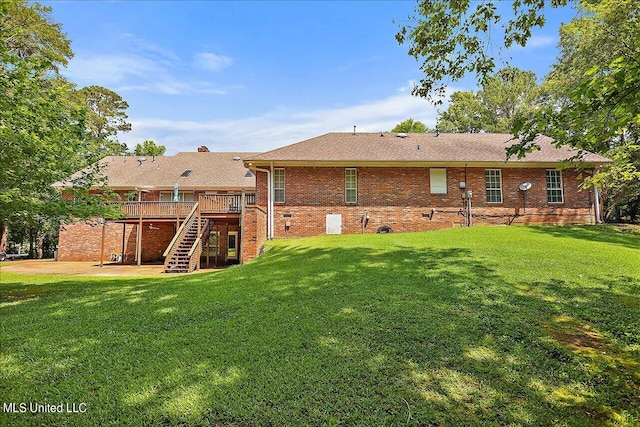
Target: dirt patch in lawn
(81,268)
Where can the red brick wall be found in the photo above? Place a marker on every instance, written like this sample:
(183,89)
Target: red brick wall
(254,231)
(401,199)
(155,240)
(82,241)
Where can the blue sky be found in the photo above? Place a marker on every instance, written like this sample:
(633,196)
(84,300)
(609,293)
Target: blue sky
(257,75)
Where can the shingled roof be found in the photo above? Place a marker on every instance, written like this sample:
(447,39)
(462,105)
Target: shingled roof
(220,170)
(386,148)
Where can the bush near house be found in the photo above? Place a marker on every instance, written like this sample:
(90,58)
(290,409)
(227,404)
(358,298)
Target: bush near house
(503,325)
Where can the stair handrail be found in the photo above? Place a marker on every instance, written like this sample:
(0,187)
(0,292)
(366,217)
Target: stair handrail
(199,238)
(173,246)
(194,261)
(181,231)
(197,247)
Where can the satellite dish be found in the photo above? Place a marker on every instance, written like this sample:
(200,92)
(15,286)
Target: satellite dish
(524,186)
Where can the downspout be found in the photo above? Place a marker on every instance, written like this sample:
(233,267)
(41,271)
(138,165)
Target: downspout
(269,202)
(273,200)
(597,206)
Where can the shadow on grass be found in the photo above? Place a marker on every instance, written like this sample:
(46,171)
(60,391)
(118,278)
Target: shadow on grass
(593,233)
(320,336)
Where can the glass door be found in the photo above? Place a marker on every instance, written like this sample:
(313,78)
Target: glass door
(232,246)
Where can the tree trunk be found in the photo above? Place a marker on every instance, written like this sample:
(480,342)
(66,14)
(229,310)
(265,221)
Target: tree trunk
(40,245)
(4,235)
(31,243)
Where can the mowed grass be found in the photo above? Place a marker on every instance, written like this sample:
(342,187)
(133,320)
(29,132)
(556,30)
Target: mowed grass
(481,326)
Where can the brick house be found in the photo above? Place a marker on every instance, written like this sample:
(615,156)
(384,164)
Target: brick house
(166,201)
(219,208)
(369,182)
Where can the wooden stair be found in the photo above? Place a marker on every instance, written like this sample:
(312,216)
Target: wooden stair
(183,253)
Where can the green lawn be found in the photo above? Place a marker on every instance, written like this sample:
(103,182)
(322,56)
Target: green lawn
(481,326)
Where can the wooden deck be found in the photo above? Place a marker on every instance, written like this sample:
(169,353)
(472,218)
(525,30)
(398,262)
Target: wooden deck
(208,204)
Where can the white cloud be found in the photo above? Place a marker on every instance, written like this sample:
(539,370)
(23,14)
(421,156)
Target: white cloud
(139,65)
(211,61)
(280,127)
(537,42)
(152,48)
(109,69)
(542,41)
(129,73)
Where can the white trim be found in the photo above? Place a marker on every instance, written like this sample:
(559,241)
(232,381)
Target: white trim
(553,188)
(349,202)
(435,183)
(284,185)
(486,189)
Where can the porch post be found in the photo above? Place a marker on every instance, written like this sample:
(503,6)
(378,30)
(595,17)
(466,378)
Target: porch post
(139,240)
(139,230)
(103,222)
(124,236)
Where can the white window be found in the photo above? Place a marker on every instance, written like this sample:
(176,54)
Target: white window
(438,180)
(183,196)
(351,185)
(554,186)
(278,185)
(493,184)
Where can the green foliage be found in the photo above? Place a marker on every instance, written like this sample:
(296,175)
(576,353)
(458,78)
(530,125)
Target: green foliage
(465,114)
(454,37)
(507,94)
(410,126)
(594,98)
(43,132)
(595,111)
(28,31)
(106,117)
(455,327)
(601,32)
(149,148)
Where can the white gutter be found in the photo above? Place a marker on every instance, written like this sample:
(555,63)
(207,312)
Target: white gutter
(597,206)
(269,201)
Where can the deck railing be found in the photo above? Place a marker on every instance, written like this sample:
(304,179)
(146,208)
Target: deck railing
(157,209)
(221,203)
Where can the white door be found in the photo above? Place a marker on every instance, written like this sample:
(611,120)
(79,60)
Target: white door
(334,224)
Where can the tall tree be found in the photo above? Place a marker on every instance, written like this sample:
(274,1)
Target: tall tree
(452,38)
(149,148)
(465,114)
(597,111)
(106,116)
(593,98)
(28,32)
(507,94)
(41,131)
(410,126)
